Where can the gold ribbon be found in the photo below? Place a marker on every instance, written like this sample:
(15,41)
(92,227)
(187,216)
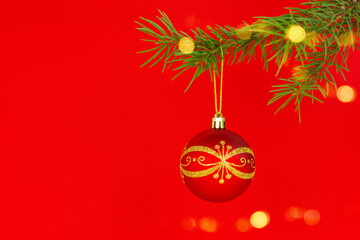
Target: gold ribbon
(222,165)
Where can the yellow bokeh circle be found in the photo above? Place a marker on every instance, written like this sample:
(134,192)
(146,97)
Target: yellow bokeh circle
(259,219)
(296,33)
(346,94)
(186,45)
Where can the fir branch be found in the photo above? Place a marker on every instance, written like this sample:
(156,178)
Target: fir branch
(331,30)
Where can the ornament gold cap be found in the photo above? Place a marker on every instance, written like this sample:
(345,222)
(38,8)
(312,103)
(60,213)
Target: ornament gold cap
(218,121)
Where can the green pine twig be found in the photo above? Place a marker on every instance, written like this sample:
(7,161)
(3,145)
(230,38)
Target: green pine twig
(331,31)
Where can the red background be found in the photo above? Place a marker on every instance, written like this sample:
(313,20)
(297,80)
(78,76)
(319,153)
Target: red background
(90,143)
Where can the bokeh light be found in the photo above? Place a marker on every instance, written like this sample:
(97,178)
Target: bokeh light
(186,45)
(208,224)
(346,94)
(293,213)
(260,219)
(312,217)
(347,38)
(243,225)
(191,21)
(188,223)
(243,31)
(262,28)
(296,33)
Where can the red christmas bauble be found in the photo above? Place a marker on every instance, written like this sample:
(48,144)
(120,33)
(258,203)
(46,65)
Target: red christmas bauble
(217,165)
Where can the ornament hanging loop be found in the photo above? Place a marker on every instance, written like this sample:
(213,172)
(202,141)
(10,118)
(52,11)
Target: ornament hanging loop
(221,82)
(218,121)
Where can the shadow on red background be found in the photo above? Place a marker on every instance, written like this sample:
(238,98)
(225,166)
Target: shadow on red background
(90,143)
